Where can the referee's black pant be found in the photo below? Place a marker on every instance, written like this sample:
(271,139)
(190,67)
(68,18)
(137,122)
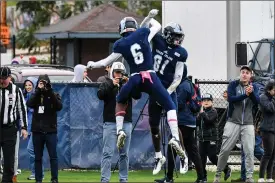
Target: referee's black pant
(7,142)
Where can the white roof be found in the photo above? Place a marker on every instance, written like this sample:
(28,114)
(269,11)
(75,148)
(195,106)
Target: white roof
(50,71)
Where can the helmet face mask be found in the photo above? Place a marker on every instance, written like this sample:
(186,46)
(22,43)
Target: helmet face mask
(127,24)
(173,34)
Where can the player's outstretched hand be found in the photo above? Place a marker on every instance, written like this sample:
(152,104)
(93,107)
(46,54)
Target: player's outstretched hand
(90,64)
(153,13)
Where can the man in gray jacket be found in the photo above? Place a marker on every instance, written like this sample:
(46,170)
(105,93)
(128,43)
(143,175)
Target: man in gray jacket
(242,96)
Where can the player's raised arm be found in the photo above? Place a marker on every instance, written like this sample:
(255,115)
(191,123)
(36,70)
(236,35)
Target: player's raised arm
(104,62)
(146,21)
(177,77)
(155,28)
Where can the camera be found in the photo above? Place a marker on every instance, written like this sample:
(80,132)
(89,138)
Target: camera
(123,80)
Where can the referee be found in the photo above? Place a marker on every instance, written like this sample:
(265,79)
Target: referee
(12,109)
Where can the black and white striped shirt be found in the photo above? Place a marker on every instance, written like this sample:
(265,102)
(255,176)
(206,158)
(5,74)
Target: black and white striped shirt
(12,106)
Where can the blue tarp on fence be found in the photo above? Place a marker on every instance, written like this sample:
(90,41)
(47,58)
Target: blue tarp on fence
(80,131)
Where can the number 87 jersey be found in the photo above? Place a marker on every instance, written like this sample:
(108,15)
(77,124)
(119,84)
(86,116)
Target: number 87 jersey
(165,59)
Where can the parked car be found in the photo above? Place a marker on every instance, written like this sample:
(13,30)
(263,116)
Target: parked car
(56,73)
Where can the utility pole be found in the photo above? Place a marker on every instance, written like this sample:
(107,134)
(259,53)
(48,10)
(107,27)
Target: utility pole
(3,12)
(3,23)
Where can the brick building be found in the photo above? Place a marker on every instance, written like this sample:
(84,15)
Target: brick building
(87,36)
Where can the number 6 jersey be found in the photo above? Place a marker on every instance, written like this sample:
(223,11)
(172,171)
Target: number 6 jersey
(136,50)
(165,59)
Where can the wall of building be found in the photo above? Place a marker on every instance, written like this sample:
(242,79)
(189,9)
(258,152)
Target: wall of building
(204,25)
(212,28)
(90,50)
(94,50)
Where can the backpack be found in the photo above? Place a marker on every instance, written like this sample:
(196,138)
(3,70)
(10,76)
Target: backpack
(194,102)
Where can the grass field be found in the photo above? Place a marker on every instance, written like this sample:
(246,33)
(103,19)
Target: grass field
(134,176)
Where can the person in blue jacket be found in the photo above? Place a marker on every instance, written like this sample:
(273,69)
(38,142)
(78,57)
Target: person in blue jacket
(187,127)
(242,97)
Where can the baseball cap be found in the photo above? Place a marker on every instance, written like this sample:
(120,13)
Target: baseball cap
(5,72)
(207,96)
(246,67)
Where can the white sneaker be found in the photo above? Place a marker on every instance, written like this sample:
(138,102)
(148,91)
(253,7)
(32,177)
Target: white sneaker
(261,180)
(184,165)
(176,145)
(158,164)
(120,139)
(269,180)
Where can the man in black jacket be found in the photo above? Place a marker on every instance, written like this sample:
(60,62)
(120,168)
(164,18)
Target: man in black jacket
(45,103)
(107,92)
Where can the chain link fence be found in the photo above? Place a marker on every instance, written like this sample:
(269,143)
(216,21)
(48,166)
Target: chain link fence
(216,89)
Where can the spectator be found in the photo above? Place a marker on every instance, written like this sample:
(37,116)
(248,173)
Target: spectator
(29,89)
(258,153)
(242,96)
(258,150)
(15,61)
(45,104)
(267,129)
(80,74)
(32,60)
(207,122)
(107,92)
(13,108)
(187,127)
(104,78)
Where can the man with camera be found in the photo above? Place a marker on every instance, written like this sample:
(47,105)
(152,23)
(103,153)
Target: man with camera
(45,103)
(12,110)
(107,92)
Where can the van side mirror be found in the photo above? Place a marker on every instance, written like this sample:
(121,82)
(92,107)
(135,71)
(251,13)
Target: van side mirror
(240,54)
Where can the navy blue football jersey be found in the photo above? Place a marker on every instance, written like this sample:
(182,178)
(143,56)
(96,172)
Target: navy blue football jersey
(136,50)
(165,59)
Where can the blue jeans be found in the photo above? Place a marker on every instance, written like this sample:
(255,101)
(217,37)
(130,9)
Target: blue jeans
(258,153)
(32,157)
(39,141)
(109,145)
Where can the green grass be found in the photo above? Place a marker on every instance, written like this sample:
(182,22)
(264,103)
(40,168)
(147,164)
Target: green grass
(134,176)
